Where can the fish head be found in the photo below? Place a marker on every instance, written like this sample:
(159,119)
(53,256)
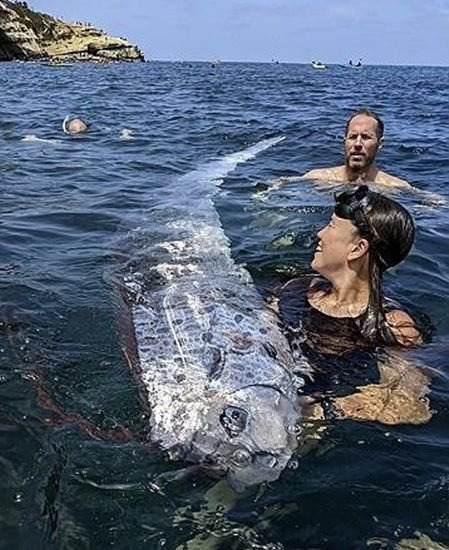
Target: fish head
(257,429)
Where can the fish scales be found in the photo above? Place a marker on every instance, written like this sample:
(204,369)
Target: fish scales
(220,376)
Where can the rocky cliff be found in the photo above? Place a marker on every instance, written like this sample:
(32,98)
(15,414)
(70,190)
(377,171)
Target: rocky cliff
(29,35)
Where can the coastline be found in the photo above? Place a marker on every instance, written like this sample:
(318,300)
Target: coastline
(27,35)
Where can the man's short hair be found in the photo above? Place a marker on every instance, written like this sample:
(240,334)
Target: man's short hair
(372,114)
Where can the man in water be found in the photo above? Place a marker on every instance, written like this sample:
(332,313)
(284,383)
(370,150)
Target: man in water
(363,139)
(74,125)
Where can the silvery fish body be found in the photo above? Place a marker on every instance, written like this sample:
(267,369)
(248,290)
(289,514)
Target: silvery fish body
(219,374)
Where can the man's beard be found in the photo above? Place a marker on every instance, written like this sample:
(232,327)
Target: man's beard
(360,166)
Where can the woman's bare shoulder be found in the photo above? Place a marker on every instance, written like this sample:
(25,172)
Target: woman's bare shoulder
(403,328)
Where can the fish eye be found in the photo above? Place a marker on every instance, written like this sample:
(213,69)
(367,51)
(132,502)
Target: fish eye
(234,420)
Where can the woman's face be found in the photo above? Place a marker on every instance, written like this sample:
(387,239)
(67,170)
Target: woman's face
(335,244)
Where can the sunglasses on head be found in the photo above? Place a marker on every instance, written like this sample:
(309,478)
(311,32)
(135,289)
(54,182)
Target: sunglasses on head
(350,205)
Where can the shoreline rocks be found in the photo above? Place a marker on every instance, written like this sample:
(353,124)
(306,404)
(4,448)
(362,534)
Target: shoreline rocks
(27,35)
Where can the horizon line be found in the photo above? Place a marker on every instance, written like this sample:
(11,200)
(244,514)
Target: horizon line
(279,62)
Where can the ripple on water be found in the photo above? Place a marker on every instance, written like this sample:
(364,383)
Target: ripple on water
(67,204)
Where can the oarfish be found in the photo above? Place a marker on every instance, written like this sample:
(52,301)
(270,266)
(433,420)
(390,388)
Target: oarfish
(219,375)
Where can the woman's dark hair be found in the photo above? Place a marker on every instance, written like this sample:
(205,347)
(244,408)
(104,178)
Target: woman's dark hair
(389,229)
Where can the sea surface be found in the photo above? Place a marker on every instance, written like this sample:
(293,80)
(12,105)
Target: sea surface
(67,206)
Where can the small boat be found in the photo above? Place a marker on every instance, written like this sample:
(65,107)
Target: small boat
(355,64)
(318,65)
(56,64)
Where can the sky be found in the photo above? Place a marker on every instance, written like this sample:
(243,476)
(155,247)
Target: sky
(396,32)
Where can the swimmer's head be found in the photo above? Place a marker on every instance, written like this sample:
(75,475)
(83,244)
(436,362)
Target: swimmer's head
(363,140)
(385,232)
(386,225)
(74,125)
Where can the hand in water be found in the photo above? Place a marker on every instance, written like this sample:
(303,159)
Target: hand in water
(274,186)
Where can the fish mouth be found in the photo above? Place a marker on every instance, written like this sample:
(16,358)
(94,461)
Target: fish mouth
(242,469)
(241,466)
(262,469)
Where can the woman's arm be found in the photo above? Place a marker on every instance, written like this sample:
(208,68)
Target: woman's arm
(399,398)
(403,328)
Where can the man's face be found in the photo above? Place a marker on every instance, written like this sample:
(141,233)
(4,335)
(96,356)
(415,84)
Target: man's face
(361,143)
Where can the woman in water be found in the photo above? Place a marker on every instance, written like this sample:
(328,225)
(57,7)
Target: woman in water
(343,322)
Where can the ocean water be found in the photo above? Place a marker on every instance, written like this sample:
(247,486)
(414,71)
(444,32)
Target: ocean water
(68,204)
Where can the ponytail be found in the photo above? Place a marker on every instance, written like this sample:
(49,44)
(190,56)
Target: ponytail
(373,323)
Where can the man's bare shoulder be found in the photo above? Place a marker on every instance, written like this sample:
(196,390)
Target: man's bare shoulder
(382,178)
(333,173)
